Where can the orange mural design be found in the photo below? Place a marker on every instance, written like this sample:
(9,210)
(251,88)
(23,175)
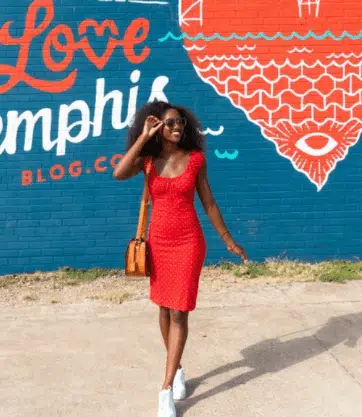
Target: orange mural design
(294,68)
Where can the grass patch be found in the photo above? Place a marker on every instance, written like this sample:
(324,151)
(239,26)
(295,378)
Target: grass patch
(340,271)
(258,269)
(13,279)
(247,271)
(272,270)
(57,279)
(227,266)
(77,276)
(289,270)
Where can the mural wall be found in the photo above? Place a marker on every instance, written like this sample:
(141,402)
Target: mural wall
(268,79)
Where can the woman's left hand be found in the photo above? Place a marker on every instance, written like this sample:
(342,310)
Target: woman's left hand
(238,251)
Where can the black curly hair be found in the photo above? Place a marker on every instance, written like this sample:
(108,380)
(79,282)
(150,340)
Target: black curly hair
(194,139)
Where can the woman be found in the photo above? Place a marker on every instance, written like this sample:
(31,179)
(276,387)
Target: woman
(167,142)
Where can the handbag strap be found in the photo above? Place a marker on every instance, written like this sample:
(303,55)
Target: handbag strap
(142,219)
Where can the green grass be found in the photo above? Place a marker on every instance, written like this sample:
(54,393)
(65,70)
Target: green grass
(78,276)
(273,269)
(249,270)
(338,271)
(256,269)
(63,277)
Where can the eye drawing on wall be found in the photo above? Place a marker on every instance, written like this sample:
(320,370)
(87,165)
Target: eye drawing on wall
(301,86)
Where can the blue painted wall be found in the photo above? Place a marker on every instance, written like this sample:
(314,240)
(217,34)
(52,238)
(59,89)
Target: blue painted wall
(86,221)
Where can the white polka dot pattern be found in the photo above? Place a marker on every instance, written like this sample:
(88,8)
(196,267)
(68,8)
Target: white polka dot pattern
(176,240)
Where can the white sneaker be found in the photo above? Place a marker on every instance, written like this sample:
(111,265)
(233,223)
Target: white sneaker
(166,405)
(179,387)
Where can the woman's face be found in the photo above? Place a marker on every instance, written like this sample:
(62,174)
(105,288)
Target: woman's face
(174,126)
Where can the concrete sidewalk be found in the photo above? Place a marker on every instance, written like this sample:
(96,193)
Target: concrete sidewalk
(291,350)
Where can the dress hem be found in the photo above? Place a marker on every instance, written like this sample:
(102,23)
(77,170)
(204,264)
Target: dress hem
(171,307)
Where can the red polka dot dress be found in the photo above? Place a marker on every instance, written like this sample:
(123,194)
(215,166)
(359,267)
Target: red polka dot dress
(176,240)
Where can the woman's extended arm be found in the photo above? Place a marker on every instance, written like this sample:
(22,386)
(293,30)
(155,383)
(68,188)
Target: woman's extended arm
(214,214)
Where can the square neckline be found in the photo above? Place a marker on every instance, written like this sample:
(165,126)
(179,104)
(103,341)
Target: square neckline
(177,176)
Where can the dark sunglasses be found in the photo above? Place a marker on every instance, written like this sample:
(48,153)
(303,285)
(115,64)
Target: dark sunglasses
(171,122)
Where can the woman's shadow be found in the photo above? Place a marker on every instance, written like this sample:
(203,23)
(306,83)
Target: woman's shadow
(273,355)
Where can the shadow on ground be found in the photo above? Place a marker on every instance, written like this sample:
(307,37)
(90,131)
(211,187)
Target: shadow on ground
(273,355)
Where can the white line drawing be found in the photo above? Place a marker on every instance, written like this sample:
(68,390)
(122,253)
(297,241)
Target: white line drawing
(303,4)
(300,50)
(246,47)
(229,79)
(347,95)
(303,146)
(306,99)
(342,55)
(211,132)
(227,58)
(318,178)
(194,48)
(196,4)
(287,64)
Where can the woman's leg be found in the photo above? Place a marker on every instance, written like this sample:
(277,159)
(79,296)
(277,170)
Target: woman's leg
(177,336)
(164,320)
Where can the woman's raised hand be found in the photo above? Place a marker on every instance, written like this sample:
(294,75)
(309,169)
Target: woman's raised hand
(151,126)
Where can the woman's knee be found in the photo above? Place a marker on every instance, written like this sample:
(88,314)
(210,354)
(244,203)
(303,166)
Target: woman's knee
(179,317)
(164,312)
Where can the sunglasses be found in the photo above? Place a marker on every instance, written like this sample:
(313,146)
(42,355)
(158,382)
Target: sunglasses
(171,122)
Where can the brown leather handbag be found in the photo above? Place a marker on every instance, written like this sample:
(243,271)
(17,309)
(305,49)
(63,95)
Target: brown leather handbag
(137,262)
